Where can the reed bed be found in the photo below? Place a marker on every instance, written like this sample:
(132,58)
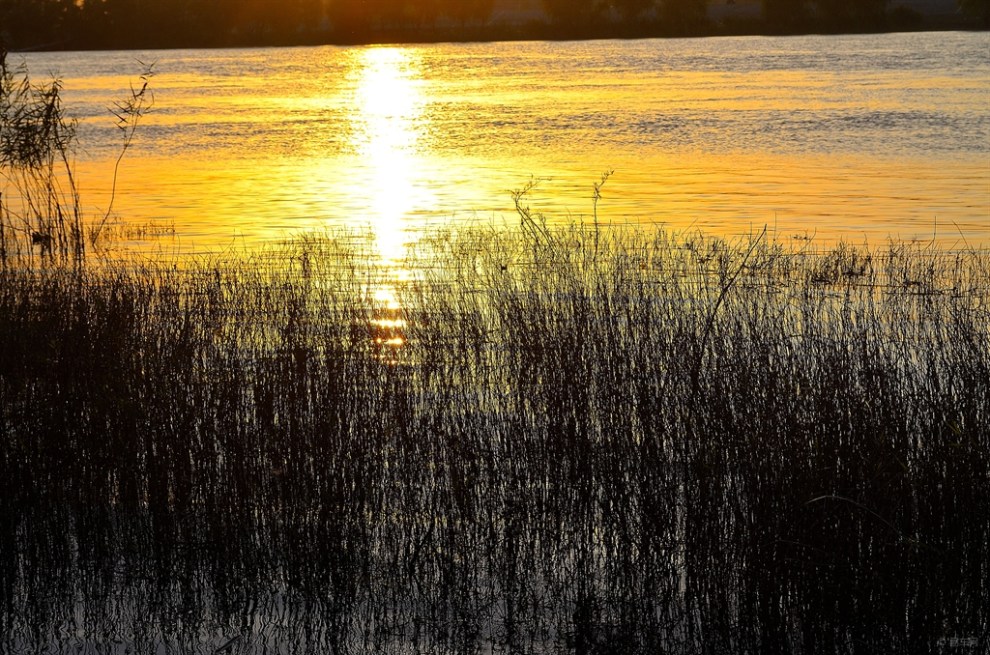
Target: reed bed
(562,440)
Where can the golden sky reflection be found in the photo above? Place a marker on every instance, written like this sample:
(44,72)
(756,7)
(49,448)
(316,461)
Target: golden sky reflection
(249,147)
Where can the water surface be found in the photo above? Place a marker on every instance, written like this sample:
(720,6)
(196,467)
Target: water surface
(853,137)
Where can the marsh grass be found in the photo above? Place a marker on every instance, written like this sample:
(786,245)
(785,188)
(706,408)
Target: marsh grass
(39,201)
(588,441)
(41,217)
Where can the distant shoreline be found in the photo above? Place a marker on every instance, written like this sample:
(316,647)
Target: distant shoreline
(533,31)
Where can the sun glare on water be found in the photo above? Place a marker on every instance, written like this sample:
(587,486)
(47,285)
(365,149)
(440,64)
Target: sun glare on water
(389,104)
(388,110)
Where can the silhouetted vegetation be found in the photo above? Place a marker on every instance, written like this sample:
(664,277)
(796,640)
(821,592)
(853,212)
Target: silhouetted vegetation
(40,211)
(64,24)
(564,440)
(842,15)
(39,203)
(787,15)
(977,8)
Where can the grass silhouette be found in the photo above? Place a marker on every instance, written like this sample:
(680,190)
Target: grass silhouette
(563,439)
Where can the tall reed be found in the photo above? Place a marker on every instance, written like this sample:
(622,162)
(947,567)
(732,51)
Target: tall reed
(562,440)
(41,216)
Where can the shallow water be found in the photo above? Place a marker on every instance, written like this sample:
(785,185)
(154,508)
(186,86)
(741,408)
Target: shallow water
(855,137)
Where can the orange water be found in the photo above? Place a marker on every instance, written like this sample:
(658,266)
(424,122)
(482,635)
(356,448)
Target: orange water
(838,137)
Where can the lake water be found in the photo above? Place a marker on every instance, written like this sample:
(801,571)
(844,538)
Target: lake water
(852,137)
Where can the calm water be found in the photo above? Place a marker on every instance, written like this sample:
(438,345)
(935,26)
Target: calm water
(839,136)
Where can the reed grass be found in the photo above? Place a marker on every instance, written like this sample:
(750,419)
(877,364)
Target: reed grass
(586,441)
(41,217)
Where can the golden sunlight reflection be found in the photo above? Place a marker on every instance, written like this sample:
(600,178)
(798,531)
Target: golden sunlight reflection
(388,103)
(388,106)
(400,142)
(388,327)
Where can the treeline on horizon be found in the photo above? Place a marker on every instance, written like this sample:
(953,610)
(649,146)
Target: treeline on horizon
(70,24)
